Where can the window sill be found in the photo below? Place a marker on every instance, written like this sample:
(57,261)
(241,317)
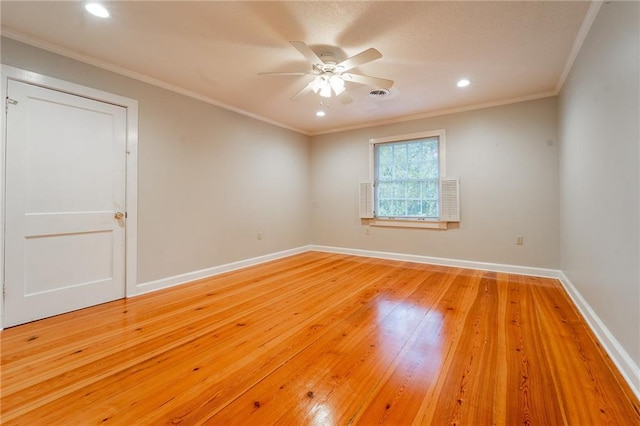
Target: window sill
(401,223)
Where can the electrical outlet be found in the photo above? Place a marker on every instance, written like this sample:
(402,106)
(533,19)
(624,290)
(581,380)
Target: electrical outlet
(259,235)
(367,230)
(519,240)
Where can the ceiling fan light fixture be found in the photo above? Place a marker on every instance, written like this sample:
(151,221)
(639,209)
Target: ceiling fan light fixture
(325,85)
(317,84)
(325,91)
(337,84)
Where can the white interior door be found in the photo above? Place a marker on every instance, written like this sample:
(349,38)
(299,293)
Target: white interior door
(65,185)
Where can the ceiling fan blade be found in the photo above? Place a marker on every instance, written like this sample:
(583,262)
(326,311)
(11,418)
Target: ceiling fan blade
(307,52)
(381,83)
(345,98)
(359,59)
(306,89)
(283,73)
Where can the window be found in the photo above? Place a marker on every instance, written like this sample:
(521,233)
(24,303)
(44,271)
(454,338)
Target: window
(406,178)
(407,173)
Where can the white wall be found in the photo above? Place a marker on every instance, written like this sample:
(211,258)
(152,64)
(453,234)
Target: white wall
(209,179)
(507,160)
(599,163)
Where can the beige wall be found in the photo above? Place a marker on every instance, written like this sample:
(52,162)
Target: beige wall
(507,160)
(599,163)
(209,179)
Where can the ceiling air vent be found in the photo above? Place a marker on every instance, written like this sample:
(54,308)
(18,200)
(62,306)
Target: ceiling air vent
(378,93)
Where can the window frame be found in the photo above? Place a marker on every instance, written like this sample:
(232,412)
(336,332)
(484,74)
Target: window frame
(411,222)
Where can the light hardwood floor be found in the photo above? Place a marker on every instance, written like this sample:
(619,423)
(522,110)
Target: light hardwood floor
(324,339)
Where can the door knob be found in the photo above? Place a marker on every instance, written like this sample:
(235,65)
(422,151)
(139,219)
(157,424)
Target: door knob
(118,215)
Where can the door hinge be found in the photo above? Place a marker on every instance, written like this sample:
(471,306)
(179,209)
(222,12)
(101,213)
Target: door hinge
(4,290)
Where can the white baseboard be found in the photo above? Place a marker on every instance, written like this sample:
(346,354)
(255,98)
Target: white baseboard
(629,369)
(456,263)
(216,270)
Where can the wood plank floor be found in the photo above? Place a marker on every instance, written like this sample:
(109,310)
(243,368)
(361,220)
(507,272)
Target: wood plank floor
(320,338)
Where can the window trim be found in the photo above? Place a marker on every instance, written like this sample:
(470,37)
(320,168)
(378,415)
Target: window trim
(410,222)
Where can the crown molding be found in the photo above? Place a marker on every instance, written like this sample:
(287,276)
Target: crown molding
(440,112)
(594,8)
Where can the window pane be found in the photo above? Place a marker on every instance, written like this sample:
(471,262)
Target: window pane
(414,208)
(413,189)
(399,189)
(430,189)
(398,207)
(431,159)
(385,162)
(385,190)
(384,208)
(416,161)
(430,208)
(400,161)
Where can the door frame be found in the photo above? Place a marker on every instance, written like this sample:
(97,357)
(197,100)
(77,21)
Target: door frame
(131,177)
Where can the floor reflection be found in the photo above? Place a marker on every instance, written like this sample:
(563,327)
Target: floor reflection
(322,415)
(423,326)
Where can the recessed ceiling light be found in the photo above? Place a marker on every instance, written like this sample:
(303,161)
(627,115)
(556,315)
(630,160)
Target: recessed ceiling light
(463,83)
(320,114)
(97,9)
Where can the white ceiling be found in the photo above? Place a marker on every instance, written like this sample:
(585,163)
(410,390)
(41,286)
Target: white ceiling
(215,50)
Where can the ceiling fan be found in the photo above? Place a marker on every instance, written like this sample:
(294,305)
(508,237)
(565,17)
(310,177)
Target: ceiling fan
(330,76)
